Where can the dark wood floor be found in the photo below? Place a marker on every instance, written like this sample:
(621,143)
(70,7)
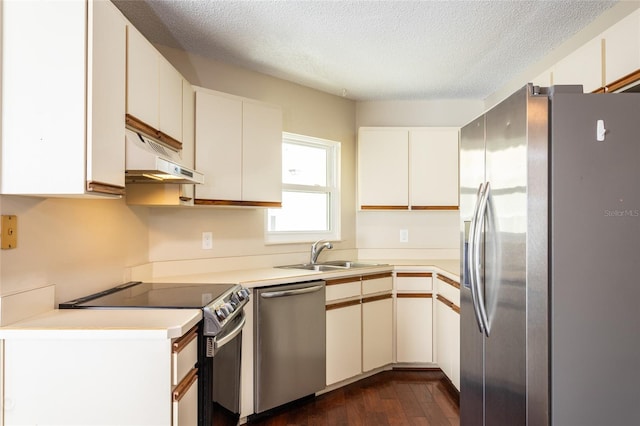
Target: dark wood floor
(398,397)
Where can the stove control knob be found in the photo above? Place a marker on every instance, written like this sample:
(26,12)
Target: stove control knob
(243,294)
(222,312)
(229,307)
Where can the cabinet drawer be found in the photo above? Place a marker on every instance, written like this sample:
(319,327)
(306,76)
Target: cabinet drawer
(414,281)
(449,289)
(342,288)
(377,283)
(185,401)
(184,355)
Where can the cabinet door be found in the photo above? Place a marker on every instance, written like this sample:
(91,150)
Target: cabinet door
(377,332)
(433,168)
(169,99)
(142,78)
(219,146)
(261,152)
(582,66)
(622,48)
(414,331)
(344,342)
(106,89)
(444,348)
(383,163)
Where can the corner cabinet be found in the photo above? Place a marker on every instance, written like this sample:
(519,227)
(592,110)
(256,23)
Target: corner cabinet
(238,145)
(403,168)
(414,317)
(63,98)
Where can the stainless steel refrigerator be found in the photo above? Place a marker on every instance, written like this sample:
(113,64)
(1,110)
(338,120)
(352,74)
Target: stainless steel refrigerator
(550,250)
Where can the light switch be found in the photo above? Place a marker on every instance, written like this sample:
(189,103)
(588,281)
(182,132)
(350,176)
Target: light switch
(404,235)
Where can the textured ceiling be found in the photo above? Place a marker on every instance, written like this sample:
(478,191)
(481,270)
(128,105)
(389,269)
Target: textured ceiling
(373,50)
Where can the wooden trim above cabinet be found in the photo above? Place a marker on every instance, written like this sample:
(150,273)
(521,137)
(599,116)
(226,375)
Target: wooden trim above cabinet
(206,202)
(628,79)
(137,124)
(435,208)
(449,281)
(414,274)
(367,207)
(105,188)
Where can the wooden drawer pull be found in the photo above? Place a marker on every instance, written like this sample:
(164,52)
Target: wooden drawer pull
(376,276)
(185,384)
(414,295)
(376,298)
(449,281)
(183,341)
(414,275)
(342,304)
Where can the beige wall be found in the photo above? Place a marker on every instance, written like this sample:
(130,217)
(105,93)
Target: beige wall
(431,234)
(80,246)
(175,234)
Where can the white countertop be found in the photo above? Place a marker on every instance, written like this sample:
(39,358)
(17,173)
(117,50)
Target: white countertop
(105,324)
(172,323)
(261,277)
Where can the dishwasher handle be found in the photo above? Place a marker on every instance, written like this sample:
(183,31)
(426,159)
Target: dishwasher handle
(293,292)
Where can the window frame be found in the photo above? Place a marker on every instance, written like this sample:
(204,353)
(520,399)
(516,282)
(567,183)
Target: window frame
(332,188)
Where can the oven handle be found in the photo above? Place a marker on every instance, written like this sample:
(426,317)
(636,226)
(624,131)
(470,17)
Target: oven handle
(220,341)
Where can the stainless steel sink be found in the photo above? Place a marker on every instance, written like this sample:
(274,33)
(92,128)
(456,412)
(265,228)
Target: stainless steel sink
(332,265)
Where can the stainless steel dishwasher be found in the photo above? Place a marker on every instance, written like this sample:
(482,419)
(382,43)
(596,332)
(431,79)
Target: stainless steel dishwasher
(290,343)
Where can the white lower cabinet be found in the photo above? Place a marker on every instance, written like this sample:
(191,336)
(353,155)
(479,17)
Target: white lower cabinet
(359,315)
(447,332)
(414,332)
(377,332)
(414,317)
(344,341)
(100,380)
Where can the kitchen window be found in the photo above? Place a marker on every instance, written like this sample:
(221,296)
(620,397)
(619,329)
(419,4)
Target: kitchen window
(310,192)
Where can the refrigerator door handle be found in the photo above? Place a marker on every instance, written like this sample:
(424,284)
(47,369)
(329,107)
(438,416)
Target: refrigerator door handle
(482,212)
(471,254)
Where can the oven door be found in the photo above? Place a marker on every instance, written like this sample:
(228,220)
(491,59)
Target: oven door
(226,350)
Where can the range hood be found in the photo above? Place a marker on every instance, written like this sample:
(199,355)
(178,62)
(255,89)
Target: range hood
(148,161)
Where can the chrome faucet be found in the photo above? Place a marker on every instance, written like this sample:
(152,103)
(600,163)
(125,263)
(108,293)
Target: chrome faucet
(317,247)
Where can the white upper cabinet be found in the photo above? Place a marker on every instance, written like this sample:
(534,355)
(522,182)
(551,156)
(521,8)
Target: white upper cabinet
(408,168)
(622,48)
(172,194)
(143,78)
(433,168)
(169,100)
(383,167)
(583,66)
(239,150)
(63,97)
(154,88)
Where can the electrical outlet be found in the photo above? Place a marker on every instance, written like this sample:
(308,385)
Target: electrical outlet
(207,240)
(404,235)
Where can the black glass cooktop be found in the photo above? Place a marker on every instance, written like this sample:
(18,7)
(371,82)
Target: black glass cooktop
(152,295)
